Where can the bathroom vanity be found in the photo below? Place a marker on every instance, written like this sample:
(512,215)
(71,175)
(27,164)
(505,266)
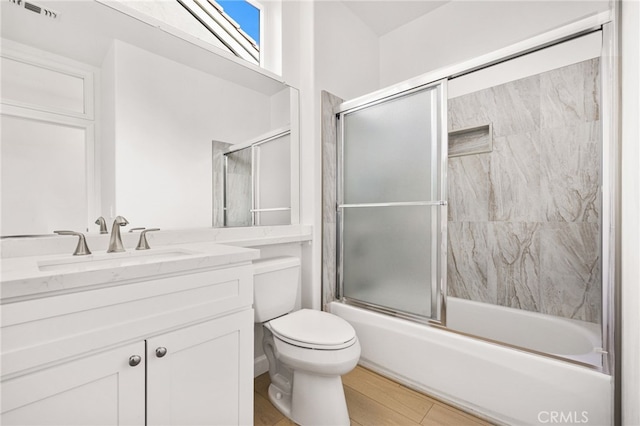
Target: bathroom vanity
(157,337)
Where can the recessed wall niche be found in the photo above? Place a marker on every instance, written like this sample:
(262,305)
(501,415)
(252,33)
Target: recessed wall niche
(473,140)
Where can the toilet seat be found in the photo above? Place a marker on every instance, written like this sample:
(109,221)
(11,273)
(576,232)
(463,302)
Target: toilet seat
(313,329)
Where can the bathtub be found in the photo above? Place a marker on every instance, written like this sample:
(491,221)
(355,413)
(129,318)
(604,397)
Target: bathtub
(502,384)
(563,337)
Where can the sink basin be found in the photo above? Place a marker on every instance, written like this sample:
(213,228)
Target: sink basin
(111,260)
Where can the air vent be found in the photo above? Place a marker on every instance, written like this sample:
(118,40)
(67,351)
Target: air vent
(35,8)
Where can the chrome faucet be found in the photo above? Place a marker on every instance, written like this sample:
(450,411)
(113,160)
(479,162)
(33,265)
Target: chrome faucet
(103,225)
(115,243)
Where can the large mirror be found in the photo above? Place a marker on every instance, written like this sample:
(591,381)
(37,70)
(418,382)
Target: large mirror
(107,111)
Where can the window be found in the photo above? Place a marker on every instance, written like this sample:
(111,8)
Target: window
(246,14)
(235,23)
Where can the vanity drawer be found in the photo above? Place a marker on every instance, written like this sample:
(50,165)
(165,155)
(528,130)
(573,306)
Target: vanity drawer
(45,330)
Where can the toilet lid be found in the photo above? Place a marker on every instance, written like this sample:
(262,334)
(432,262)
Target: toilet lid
(313,329)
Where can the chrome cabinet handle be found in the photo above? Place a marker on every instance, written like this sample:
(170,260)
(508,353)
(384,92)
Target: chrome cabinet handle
(160,352)
(134,360)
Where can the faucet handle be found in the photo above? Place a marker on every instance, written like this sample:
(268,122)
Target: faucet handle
(81,249)
(143,244)
(103,225)
(136,229)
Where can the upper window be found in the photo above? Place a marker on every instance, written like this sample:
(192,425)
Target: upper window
(235,23)
(246,14)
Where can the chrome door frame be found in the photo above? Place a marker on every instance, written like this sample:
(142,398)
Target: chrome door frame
(438,288)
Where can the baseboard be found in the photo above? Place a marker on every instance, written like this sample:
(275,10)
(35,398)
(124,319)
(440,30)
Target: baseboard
(260,365)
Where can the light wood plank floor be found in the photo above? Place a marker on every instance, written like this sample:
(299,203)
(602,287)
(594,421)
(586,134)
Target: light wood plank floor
(373,400)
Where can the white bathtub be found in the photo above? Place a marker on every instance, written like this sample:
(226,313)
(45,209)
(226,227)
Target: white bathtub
(503,384)
(564,337)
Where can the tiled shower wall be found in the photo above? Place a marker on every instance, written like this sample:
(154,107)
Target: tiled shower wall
(524,218)
(329,167)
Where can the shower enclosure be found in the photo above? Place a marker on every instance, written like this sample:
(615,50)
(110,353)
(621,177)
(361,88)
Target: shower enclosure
(482,202)
(391,203)
(528,232)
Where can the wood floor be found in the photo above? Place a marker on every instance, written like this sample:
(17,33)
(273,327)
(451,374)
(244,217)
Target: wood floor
(373,400)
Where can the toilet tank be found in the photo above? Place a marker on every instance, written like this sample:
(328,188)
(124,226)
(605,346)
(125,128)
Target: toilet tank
(275,286)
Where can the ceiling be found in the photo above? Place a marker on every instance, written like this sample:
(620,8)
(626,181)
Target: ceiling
(383,16)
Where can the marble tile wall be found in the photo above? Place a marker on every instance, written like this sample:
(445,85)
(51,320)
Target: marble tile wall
(524,219)
(238,182)
(329,157)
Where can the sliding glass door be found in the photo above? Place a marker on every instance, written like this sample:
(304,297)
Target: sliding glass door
(257,183)
(391,208)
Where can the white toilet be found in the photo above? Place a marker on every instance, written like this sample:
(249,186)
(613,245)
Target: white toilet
(307,350)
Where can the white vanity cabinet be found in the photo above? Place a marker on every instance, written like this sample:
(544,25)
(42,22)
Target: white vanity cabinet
(100,389)
(173,349)
(200,380)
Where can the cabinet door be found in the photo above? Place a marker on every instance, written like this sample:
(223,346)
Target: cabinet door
(205,376)
(101,389)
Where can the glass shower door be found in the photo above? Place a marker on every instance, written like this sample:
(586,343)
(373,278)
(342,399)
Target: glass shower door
(391,208)
(257,183)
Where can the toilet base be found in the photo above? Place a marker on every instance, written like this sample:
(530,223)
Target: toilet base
(314,400)
(280,400)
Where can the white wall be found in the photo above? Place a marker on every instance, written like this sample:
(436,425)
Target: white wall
(166,115)
(293,41)
(271,37)
(346,52)
(462,30)
(630,196)
(281,109)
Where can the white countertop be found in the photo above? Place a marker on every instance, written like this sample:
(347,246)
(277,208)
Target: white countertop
(253,236)
(46,275)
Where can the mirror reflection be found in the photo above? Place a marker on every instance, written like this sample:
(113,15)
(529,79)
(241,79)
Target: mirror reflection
(106,115)
(257,182)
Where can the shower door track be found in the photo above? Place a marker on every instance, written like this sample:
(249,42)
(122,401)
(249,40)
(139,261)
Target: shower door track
(393,312)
